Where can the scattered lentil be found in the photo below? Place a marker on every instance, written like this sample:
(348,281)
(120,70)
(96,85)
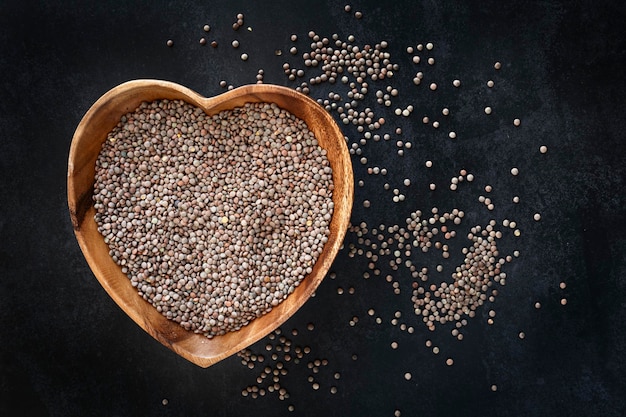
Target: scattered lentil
(470,286)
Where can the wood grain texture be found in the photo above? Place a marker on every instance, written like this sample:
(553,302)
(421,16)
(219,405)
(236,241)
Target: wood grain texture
(86,144)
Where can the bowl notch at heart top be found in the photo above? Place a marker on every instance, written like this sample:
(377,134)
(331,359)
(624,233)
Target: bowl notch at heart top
(87,141)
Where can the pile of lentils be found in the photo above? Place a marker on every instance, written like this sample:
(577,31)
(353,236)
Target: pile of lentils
(214,219)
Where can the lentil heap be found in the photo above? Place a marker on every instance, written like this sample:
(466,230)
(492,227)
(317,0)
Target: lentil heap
(214,219)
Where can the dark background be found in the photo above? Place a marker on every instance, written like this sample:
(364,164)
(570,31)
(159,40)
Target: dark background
(66,349)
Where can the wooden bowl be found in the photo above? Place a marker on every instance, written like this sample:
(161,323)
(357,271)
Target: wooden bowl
(86,144)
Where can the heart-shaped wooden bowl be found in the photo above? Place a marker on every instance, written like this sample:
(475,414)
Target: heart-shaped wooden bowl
(86,144)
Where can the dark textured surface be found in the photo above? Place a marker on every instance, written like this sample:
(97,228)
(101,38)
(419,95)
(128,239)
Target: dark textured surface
(68,350)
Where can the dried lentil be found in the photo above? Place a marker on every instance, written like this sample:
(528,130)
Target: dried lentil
(178,229)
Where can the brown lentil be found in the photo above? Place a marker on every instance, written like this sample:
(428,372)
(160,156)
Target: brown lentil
(196,212)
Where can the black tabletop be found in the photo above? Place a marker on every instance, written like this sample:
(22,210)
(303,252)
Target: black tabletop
(548,342)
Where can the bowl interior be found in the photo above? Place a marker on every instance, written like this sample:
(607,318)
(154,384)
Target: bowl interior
(86,144)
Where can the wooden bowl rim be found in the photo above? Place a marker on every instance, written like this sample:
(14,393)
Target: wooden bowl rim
(197,348)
